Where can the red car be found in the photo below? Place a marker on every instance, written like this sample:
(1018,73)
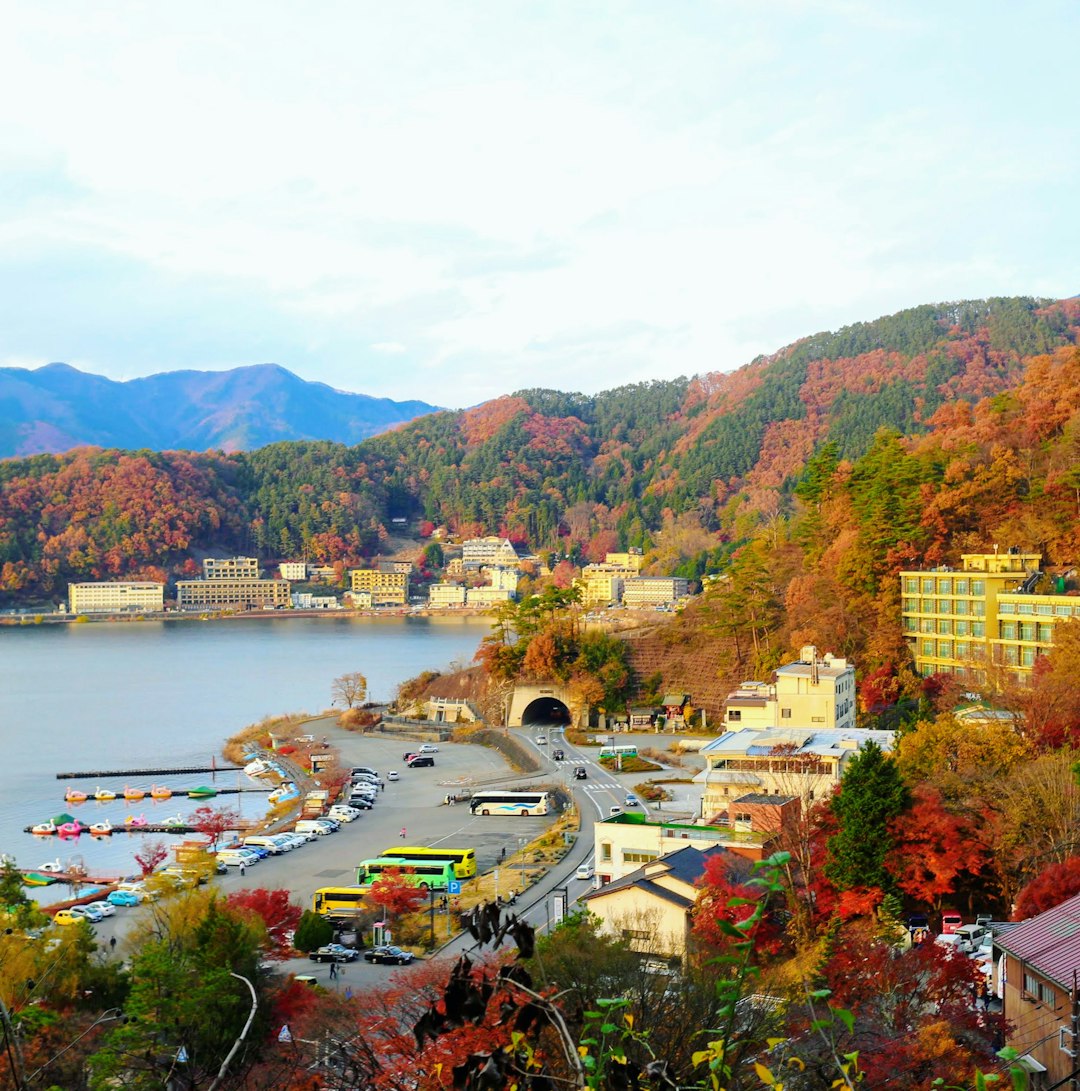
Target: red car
(950,922)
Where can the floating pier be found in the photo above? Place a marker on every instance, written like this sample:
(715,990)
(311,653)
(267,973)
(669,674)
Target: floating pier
(178,770)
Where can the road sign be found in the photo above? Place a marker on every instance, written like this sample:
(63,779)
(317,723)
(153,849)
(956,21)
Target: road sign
(453,887)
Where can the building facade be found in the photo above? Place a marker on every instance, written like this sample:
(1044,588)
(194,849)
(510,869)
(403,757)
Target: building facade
(502,579)
(479,553)
(961,621)
(446,594)
(230,568)
(812,692)
(232,594)
(487,596)
(602,584)
(632,560)
(385,588)
(645,591)
(116,598)
(293,570)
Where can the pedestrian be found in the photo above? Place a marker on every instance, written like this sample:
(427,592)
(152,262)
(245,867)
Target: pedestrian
(333,970)
(452,801)
(243,870)
(404,833)
(502,854)
(348,992)
(112,943)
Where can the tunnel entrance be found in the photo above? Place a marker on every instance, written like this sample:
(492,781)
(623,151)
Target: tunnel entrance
(545,710)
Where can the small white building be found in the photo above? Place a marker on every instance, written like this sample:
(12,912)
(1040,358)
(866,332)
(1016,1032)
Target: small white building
(116,598)
(487,596)
(306,600)
(502,579)
(293,570)
(231,568)
(446,594)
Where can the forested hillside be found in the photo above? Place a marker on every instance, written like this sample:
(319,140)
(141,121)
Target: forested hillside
(807,477)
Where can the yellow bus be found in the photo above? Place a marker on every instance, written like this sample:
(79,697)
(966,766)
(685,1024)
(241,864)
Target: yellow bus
(464,860)
(338,901)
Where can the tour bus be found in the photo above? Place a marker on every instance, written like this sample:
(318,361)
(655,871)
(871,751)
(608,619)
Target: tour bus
(629,751)
(337,901)
(464,860)
(430,875)
(523,803)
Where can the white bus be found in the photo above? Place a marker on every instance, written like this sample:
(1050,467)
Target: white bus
(618,751)
(524,803)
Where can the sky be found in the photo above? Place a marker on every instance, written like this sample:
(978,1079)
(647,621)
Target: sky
(453,201)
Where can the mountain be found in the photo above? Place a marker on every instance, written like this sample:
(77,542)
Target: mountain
(57,407)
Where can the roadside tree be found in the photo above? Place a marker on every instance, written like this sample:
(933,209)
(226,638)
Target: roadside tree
(350,689)
(214,822)
(150,855)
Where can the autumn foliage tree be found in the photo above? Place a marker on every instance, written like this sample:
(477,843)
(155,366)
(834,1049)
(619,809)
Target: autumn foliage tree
(150,855)
(278,914)
(1050,887)
(214,822)
(394,894)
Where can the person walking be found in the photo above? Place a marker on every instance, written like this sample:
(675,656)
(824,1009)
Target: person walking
(333,971)
(404,833)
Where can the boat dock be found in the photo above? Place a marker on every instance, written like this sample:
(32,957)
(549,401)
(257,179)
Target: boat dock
(213,767)
(148,827)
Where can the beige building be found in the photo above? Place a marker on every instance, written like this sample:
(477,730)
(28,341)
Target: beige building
(625,841)
(455,568)
(116,598)
(232,594)
(502,579)
(651,906)
(787,761)
(602,584)
(446,594)
(482,552)
(230,568)
(812,692)
(632,560)
(293,570)
(487,596)
(957,621)
(645,591)
(385,588)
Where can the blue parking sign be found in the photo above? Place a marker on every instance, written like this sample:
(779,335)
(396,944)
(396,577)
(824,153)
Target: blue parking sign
(453,886)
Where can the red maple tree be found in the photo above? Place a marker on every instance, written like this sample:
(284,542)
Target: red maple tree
(1050,887)
(273,908)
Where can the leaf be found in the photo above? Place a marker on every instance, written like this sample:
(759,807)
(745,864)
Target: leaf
(764,1074)
(845,1017)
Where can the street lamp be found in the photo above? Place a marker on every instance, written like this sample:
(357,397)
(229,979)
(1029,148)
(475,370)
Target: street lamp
(521,852)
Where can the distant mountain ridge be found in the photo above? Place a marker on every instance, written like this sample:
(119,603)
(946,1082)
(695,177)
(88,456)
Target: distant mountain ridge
(57,407)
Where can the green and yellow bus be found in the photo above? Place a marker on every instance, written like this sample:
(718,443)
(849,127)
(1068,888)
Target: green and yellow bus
(431,875)
(464,860)
(338,901)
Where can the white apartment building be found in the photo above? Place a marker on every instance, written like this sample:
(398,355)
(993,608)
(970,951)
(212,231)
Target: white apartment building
(446,594)
(654,590)
(231,568)
(116,598)
(487,596)
(503,579)
(293,570)
(482,552)
(306,600)
(812,692)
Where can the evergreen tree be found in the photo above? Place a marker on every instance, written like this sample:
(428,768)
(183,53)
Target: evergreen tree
(872,793)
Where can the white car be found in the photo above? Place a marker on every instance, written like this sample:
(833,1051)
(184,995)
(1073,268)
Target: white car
(87,912)
(344,814)
(584,871)
(392,775)
(541,740)
(428,748)
(106,909)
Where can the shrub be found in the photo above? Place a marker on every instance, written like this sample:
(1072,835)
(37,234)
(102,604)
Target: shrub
(312,931)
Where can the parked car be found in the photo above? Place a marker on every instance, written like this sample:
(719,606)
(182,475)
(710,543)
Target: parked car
(392,775)
(584,871)
(421,759)
(297,839)
(409,755)
(429,748)
(105,908)
(951,922)
(969,936)
(388,954)
(88,912)
(344,813)
(66,916)
(334,952)
(358,769)
(361,802)
(122,897)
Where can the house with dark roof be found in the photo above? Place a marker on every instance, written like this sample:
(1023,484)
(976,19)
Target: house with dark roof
(651,907)
(1038,974)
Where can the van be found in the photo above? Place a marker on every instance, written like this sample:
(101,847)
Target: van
(421,759)
(271,844)
(309,825)
(237,858)
(969,936)
(951,921)
(358,769)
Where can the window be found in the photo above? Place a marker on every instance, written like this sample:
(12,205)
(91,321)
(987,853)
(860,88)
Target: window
(978,628)
(1027,657)
(978,609)
(928,648)
(1008,630)
(911,606)
(944,649)
(926,625)
(1046,994)
(962,628)
(1027,630)
(928,606)
(1044,633)
(734,714)
(635,933)
(928,586)
(961,587)
(1006,607)
(1025,608)
(1044,608)
(785,713)
(961,606)
(962,649)
(1063,611)
(945,628)
(744,816)
(911,585)
(605,850)
(910,625)
(636,856)
(944,587)
(978,587)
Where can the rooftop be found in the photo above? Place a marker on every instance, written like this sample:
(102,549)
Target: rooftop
(800,740)
(1049,943)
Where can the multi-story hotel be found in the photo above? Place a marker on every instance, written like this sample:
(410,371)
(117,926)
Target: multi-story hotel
(293,570)
(230,568)
(385,588)
(481,552)
(116,598)
(602,584)
(957,621)
(654,590)
(446,594)
(231,594)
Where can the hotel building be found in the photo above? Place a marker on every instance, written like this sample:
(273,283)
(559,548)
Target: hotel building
(116,598)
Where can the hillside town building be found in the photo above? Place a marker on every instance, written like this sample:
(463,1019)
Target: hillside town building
(446,595)
(960,621)
(811,692)
(221,593)
(295,571)
(385,588)
(116,598)
(231,568)
(646,591)
(479,553)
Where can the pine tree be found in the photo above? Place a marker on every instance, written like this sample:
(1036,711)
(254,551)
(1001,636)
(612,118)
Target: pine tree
(871,794)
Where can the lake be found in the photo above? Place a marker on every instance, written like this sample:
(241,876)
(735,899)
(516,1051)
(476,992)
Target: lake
(165,693)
